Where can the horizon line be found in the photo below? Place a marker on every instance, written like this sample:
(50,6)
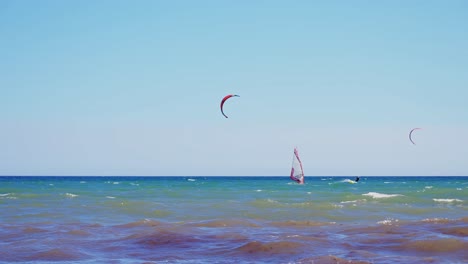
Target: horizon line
(310,176)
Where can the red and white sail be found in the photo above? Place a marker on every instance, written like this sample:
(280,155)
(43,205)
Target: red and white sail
(297,173)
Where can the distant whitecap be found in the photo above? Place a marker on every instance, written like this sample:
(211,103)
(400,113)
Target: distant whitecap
(354,201)
(447,200)
(380,195)
(348,181)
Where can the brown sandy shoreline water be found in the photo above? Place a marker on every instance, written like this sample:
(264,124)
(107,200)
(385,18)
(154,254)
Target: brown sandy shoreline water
(240,241)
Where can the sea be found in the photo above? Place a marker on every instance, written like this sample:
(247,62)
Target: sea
(233,220)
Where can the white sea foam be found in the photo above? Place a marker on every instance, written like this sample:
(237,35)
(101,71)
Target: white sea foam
(110,197)
(381,195)
(435,220)
(447,200)
(387,221)
(428,187)
(348,181)
(354,201)
(82,182)
(71,195)
(4,194)
(192,180)
(259,190)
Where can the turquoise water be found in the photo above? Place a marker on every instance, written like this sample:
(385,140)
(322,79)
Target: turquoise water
(234,219)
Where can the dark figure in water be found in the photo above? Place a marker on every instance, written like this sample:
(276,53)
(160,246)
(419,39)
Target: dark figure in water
(357,179)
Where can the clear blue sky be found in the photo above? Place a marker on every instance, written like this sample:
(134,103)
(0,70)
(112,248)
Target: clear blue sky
(133,87)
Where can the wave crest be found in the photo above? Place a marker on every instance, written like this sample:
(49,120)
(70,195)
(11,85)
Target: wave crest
(377,195)
(447,200)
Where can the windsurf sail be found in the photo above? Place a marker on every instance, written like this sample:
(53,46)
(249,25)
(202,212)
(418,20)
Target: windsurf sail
(297,173)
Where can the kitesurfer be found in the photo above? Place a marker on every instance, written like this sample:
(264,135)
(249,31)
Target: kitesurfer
(224,100)
(357,179)
(411,132)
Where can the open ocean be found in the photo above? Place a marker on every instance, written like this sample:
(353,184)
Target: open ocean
(233,220)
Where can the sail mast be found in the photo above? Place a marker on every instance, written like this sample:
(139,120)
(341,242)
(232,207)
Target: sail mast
(297,172)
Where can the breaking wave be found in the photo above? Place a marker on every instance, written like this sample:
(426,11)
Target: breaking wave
(447,200)
(377,195)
